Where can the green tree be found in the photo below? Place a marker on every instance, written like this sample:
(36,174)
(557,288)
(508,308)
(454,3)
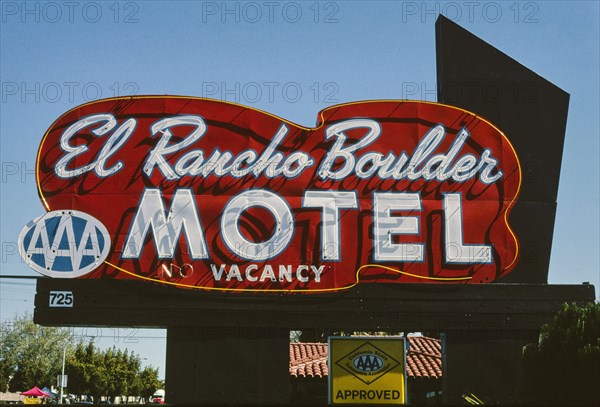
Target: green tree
(30,353)
(112,372)
(147,382)
(122,369)
(83,369)
(563,368)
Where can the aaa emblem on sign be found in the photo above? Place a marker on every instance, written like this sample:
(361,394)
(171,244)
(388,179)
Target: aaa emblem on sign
(64,243)
(367,370)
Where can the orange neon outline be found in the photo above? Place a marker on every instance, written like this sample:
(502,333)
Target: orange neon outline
(321,123)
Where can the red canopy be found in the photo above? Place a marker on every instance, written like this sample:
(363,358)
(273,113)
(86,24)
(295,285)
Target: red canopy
(35,392)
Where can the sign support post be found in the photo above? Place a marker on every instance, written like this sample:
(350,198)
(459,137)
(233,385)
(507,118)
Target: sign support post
(62,376)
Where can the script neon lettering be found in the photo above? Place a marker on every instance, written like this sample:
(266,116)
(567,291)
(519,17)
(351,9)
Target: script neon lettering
(341,160)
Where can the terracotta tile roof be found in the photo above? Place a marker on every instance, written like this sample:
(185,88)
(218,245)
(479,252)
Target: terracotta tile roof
(424,358)
(308,359)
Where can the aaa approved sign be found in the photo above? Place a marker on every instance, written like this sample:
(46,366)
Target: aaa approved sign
(367,370)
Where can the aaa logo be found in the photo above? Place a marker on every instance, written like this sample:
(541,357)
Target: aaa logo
(367,363)
(64,244)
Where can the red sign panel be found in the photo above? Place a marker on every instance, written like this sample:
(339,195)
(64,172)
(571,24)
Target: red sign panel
(214,195)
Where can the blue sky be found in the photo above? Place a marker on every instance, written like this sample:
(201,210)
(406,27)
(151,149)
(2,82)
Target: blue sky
(291,59)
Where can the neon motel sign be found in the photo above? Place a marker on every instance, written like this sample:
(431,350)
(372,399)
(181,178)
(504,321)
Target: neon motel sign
(206,194)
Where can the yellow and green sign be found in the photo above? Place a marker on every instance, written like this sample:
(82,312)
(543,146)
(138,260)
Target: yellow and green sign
(367,370)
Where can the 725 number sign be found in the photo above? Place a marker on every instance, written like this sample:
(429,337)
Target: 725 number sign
(61,299)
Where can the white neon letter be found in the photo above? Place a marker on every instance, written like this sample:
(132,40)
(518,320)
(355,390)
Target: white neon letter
(157,155)
(166,230)
(456,251)
(284,225)
(346,153)
(387,225)
(331,202)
